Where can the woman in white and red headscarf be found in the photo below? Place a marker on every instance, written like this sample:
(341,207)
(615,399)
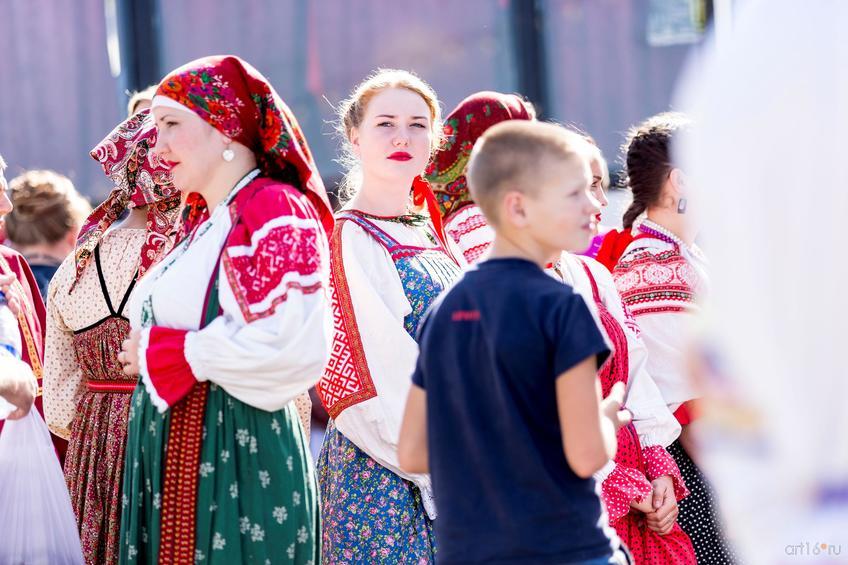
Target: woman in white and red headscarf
(463,220)
(86,393)
(229,329)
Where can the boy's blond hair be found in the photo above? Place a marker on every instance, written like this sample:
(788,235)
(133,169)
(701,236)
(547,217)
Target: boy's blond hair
(510,156)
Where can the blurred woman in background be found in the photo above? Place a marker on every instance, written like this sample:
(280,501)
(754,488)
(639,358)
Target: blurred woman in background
(141,100)
(18,284)
(464,222)
(43,225)
(600,185)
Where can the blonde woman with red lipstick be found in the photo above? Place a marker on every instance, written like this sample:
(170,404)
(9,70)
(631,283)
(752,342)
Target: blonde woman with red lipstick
(389,261)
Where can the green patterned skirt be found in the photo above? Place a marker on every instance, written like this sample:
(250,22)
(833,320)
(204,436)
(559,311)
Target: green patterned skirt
(256,496)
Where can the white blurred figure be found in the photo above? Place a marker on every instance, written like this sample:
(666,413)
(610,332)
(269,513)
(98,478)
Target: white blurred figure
(770,112)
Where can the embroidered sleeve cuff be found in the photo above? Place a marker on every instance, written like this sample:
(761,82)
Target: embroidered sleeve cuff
(193,357)
(656,431)
(165,372)
(659,462)
(621,487)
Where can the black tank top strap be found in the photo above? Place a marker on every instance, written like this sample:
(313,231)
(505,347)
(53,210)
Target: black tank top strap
(100,276)
(126,297)
(105,290)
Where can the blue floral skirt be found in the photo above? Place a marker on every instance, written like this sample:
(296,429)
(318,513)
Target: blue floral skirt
(369,514)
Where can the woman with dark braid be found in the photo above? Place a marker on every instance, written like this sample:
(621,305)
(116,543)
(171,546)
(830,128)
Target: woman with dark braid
(661,274)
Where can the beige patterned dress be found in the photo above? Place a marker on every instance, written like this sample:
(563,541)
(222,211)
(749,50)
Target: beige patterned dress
(86,395)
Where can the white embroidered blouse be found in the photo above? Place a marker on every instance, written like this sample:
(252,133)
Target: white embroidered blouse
(270,343)
(660,281)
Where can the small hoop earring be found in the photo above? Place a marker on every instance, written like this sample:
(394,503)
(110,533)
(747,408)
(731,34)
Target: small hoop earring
(228,154)
(681,206)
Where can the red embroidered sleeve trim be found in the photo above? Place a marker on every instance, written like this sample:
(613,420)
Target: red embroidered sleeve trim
(655,283)
(621,487)
(658,463)
(346,380)
(473,253)
(276,250)
(659,310)
(168,372)
(467,226)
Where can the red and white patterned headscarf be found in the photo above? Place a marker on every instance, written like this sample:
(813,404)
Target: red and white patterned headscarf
(234,98)
(462,128)
(140,180)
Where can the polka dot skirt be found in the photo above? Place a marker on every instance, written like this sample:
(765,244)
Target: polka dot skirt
(698,513)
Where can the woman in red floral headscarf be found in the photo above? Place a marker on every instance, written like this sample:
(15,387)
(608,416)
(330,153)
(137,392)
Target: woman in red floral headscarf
(229,329)
(86,394)
(463,221)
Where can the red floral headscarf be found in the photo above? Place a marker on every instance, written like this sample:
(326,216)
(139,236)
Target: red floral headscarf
(140,180)
(238,101)
(467,122)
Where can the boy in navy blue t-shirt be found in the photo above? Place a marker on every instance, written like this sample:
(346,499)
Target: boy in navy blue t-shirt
(506,412)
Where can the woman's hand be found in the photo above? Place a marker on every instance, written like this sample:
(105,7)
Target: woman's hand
(612,406)
(18,386)
(662,519)
(645,506)
(128,357)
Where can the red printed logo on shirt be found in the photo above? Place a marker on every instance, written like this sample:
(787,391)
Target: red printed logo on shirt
(465,316)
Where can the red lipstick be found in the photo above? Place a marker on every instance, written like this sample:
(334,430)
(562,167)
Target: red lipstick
(400,156)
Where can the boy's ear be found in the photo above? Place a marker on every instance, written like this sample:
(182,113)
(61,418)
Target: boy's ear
(514,208)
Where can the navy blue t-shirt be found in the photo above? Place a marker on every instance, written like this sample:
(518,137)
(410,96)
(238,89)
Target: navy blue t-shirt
(492,348)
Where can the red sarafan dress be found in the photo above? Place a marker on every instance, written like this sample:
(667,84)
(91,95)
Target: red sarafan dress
(31,320)
(635,465)
(642,455)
